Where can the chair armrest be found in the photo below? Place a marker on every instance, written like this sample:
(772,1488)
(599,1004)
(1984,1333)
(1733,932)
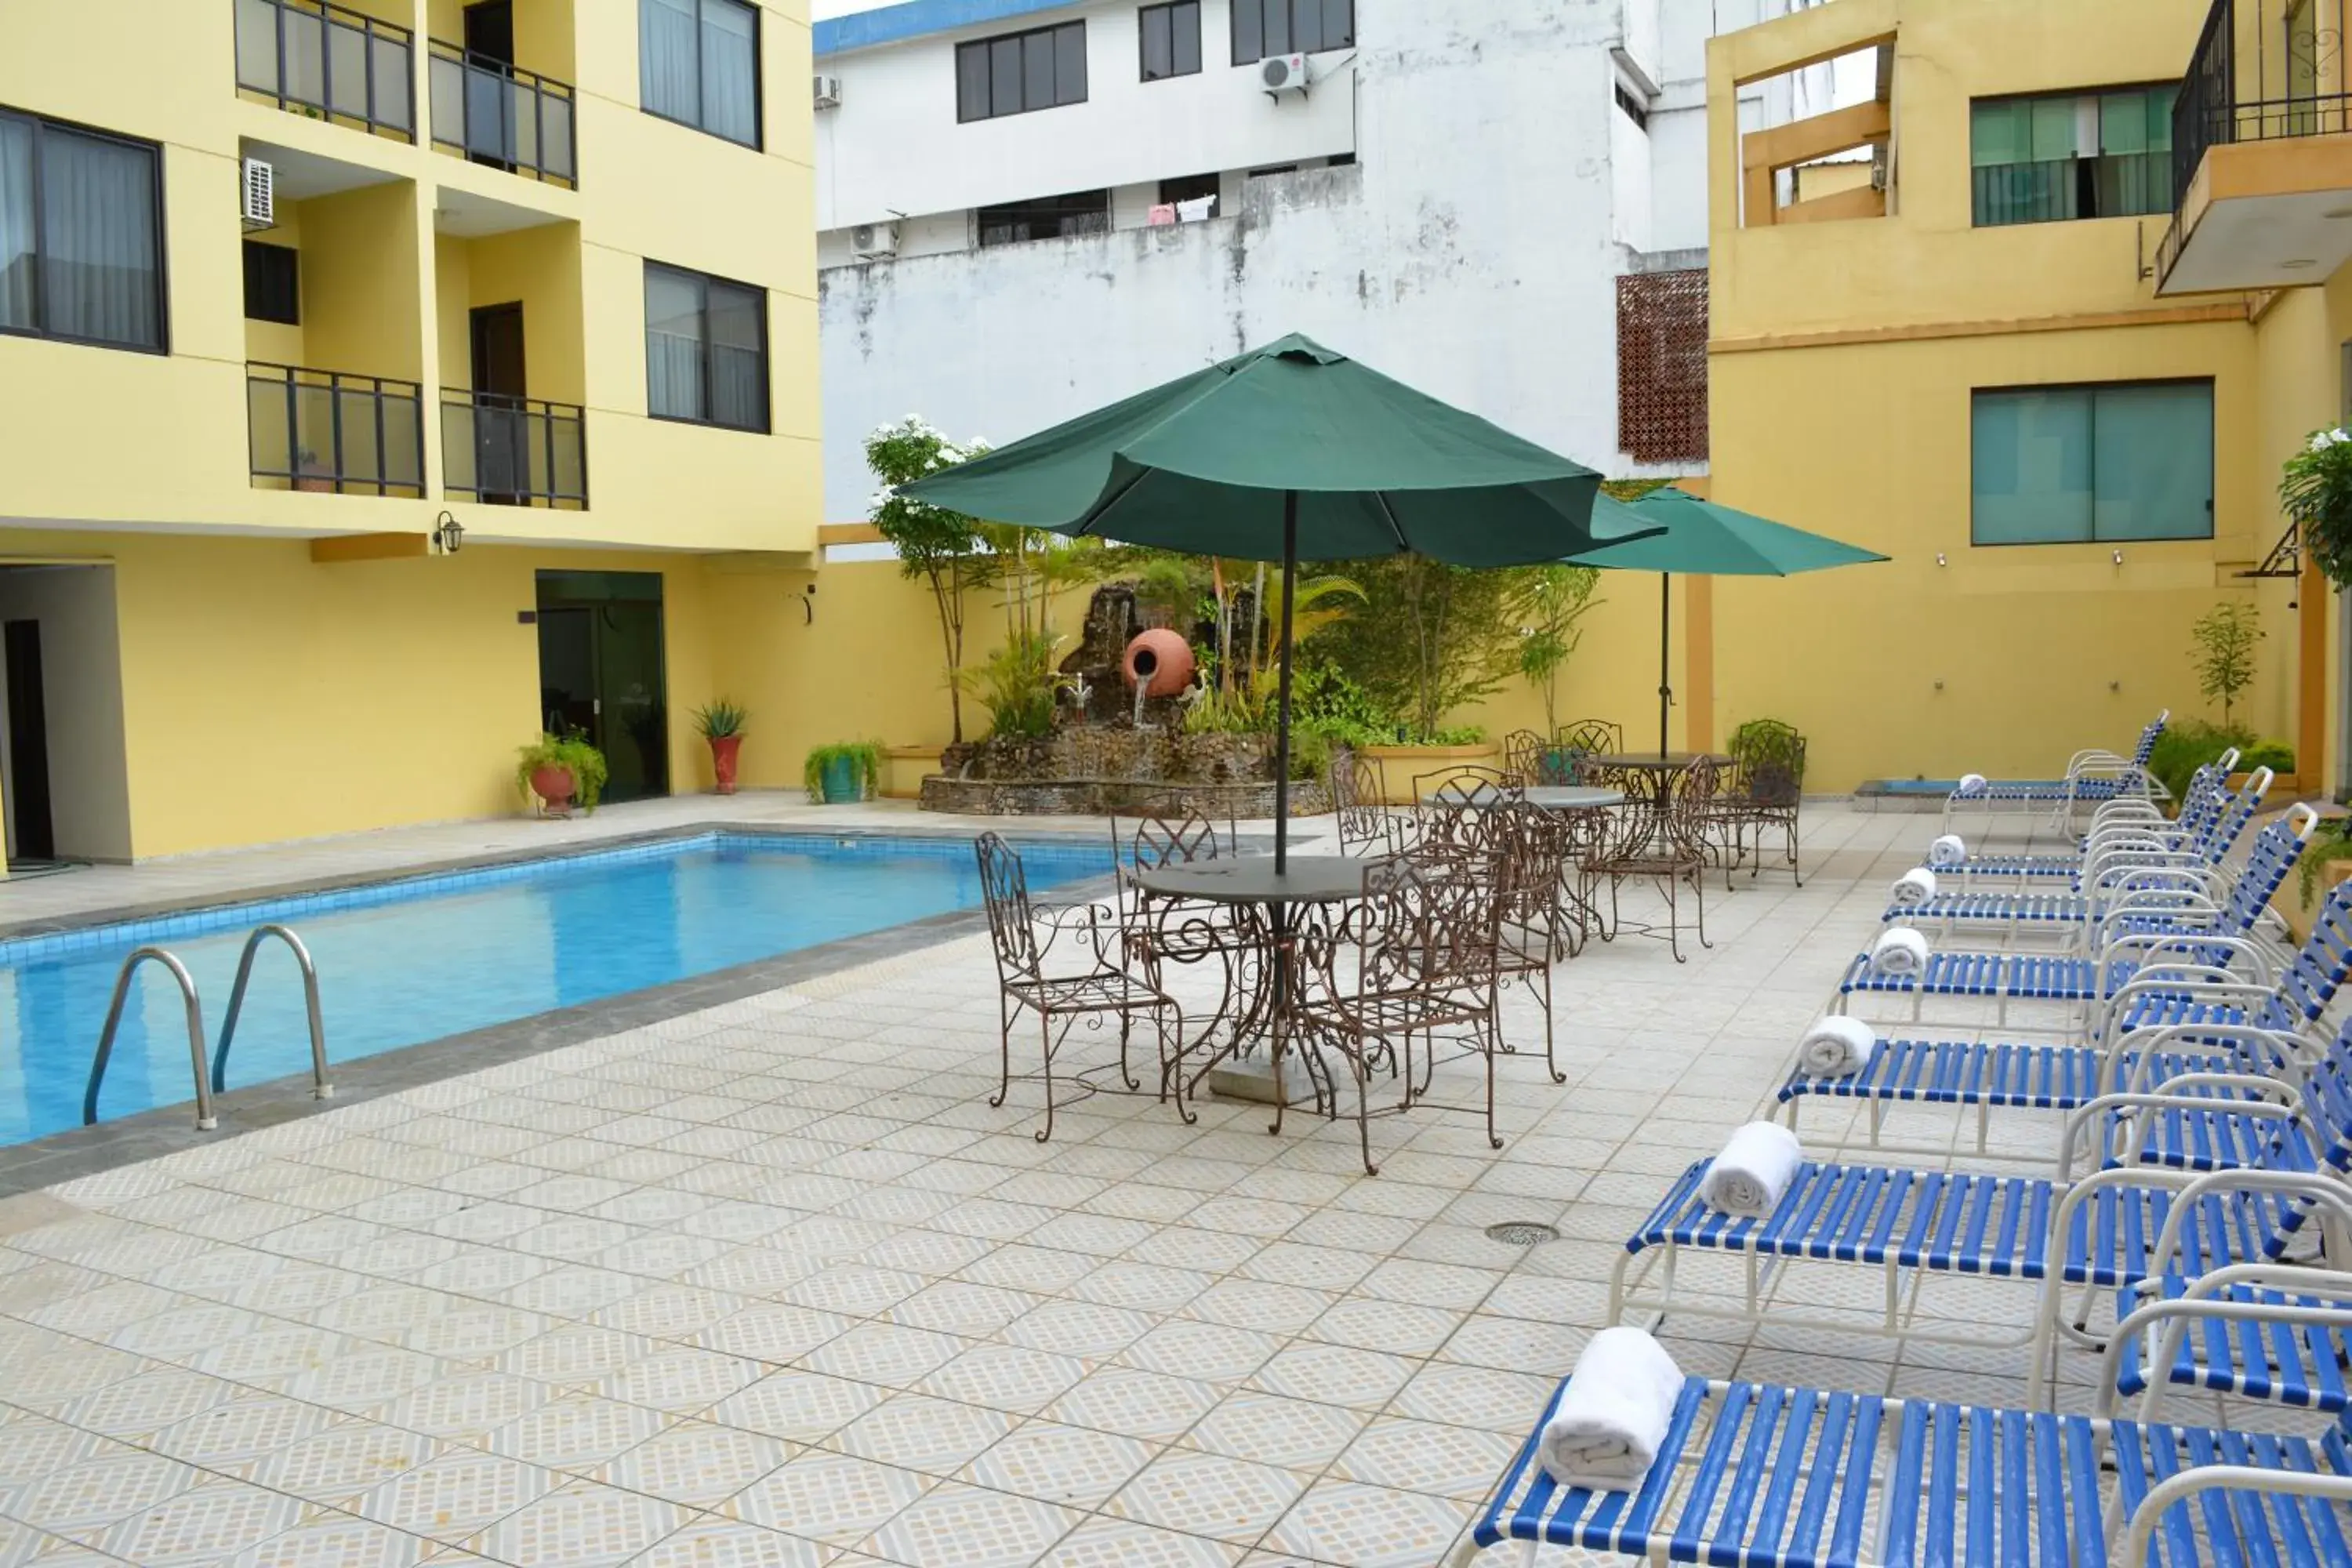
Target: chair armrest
(2085,1116)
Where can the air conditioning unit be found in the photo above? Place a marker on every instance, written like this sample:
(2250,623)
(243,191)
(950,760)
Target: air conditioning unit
(828,92)
(259,195)
(873,241)
(1279,74)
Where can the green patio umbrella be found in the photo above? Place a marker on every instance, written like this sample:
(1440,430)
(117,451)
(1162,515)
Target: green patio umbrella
(1701,539)
(1288,452)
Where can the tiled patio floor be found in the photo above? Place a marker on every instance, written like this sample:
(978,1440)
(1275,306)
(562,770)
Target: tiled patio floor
(772,1284)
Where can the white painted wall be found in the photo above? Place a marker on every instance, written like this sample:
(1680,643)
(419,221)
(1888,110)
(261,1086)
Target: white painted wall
(1474,250)
(895,146)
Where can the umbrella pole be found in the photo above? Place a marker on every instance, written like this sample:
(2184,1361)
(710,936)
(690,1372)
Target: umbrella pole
(1282,701)
(1665,642)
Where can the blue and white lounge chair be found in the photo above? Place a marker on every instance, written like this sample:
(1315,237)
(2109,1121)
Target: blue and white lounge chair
(2115,872)
(2136,823)
(2083,981)
(2158,1034)
(1758,1476)
(2277,1333)
(2092,777)
(2109,1231)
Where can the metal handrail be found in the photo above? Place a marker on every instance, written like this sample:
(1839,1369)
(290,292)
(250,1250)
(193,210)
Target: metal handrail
(372,428)
(271,60)
(537,141)
(205,1119)
(521,451)
(320,1087)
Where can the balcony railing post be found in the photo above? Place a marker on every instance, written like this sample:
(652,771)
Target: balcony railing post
(335,428)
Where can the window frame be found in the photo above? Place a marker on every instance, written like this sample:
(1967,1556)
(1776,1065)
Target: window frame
(1291,7)
(293,262)
(767,425)
(2098,90)
(759,142)
(1630,107)
(41,125)
(2212,448)
(979,218)
(1143,46)
(1053,30)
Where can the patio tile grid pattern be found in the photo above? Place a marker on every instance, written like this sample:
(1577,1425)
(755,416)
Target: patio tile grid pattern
(770,1284)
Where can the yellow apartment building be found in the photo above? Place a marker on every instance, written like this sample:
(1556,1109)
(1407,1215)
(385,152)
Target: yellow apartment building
(2049,358)
(382,381)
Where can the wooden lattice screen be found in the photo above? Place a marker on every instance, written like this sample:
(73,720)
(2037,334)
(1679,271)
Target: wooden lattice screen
(1661,366)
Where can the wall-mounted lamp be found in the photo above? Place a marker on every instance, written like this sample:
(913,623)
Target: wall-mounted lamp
(2119,557)
(808,603)
(448,534)
(1939,559)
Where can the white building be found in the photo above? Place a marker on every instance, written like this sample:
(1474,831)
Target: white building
(1449,190)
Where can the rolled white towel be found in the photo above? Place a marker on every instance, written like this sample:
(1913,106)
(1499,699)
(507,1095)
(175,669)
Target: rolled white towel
(1755,1168)
(1837,1047)
(1914,887)
(1948,851)
(1899,952)
(1610,1425)
(1972,784)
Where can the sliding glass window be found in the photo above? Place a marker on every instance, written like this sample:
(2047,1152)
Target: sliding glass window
(81,234)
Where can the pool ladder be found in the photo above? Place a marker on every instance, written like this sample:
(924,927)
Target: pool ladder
(210,1083)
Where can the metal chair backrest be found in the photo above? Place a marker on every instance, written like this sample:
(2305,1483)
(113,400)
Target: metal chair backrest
(1463,816)
(1169,838)
(2148,738)
(1004,885)
(2276,849)
(1581,739)
(1440,923)
(2320,966)
(1769,761)
(1360,796)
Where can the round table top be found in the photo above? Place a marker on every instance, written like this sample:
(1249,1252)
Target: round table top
(1651,762)
(1310,879)
(1574,797)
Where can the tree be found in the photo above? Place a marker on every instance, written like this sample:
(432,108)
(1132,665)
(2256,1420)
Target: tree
(942,549)
(1429,637)
(2224,652)
(1552,603)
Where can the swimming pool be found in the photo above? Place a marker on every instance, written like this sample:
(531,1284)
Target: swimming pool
(406,962)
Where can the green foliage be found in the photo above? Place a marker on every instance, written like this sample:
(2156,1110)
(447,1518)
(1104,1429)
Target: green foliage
(586,763)
(1169,585)
(2331,840)
(1325,702)
(2275,755)
(2316,487)
(1427,639)
(864,758)
(2189,744)
(1551,603)
(722,719)
(942,548)
(2223,654)
(1631,489)
(1019,685)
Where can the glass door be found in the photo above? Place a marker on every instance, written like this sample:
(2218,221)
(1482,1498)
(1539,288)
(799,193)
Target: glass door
(601,672)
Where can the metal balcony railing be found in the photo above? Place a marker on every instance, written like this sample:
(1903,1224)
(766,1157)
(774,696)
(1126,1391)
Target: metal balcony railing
(2263,70)
(513,451)
(346,434)
(493,113)
(328,63)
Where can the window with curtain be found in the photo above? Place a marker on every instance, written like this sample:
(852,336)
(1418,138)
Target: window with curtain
(698,64)
(1263,27)
(1045,217)
(705,349)
(80,234)
(2080,464)
(1021,72)
(2054,156)
(1171,40)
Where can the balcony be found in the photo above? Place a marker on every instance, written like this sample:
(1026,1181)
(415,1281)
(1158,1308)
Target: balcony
(2262,149)
(490,111)
(513,451)
(328,63)
(325,431)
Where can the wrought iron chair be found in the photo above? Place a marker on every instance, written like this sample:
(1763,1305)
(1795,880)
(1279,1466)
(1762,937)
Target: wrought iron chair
(1583,737)
(1537,762)
(1085,984)
(1430,935)
(1460,813)
(1668,847)
(1537,918)
(1156,930)
(1764,792)
(1359,798)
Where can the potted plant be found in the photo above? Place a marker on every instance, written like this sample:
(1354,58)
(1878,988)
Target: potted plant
(844,771)
(722,724)
(558,771)
(311,475)
(2315,486)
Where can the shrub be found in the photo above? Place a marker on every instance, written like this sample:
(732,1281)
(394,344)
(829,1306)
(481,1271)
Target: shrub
(2189,744)
(585,762)
(864,758)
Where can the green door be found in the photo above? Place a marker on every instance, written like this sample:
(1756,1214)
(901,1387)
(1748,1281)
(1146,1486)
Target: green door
(601,675)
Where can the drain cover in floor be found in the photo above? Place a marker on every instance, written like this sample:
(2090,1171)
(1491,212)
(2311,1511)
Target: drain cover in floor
(1521,1233)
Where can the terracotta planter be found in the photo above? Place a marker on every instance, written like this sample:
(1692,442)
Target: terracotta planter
(1160,662)
(555,787)
(724,749)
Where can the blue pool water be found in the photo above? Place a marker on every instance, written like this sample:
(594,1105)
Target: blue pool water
(403,962)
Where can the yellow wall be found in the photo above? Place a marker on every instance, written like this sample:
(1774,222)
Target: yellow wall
(1845,358)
